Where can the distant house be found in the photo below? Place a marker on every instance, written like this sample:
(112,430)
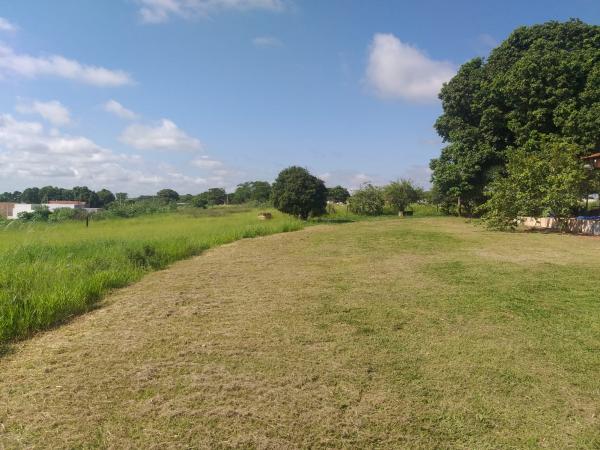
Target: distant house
(12,210)
(6,209)
(72,204)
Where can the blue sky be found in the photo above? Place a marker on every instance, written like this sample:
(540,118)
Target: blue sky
(138,95)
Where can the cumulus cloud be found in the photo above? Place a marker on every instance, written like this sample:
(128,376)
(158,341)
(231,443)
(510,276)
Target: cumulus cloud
(29,66)
(7,26)
(397,70)
(53,111)
(114,107)
(163,136)
(205,162)
(30,154)
(266,41)
(157,11)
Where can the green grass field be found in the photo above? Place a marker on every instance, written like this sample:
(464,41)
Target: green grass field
(50,272)
(399,333)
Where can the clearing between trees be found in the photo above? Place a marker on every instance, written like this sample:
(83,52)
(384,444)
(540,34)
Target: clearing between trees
(422,333)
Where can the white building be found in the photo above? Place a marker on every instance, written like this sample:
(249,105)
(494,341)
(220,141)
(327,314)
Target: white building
(52,205)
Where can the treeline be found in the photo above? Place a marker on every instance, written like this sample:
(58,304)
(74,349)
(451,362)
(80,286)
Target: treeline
(258,192)
(36,196)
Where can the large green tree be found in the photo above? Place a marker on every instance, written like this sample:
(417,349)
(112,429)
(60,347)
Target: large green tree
(297,192)
(542,82)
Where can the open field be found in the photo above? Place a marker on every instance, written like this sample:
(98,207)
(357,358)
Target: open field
(421,333)
(49,272)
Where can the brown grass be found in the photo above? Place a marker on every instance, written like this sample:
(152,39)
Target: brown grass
(421,333)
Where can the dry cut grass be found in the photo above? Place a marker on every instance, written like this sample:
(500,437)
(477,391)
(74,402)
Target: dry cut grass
(423,333)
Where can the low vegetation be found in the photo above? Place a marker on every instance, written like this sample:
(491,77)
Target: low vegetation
(51,272)
(402,333)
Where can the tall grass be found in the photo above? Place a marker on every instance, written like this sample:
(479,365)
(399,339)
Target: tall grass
(51,272)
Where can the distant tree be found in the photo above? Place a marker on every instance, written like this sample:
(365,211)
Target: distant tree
(167,195)
(187,198)
(105,197)
(215,196)
(338,194)
(199,201)
(121,197)
(299,193)
(31,195)
(400,194)
(12,197)
(368,200)
(252,191)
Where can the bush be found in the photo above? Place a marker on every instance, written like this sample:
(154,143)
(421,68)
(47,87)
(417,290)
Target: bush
(368,201)
(199,201)
(38,215)
(299,193)
(400,194)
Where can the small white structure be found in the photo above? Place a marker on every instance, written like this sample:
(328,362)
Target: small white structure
(22,207)
(52,205)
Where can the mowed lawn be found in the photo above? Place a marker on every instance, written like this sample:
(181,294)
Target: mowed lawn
(414,333)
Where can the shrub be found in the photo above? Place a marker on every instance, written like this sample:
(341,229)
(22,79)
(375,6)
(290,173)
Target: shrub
(400,194)
(368,201)
(299,193)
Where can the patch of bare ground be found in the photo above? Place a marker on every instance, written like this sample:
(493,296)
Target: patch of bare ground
(424,333)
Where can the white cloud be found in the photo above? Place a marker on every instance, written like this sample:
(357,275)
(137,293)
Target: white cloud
(53,111)
(59,66)
(114,107)
(164,136)
(31,155)
(7,26)
(204,162)
(157,11)
(266,41)
(397,70)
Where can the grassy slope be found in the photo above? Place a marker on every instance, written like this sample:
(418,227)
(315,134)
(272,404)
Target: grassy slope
(49,272)
(422,333)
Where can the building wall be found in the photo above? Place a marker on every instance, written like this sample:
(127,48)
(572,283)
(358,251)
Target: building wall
(6,209)
(22,207)
(577,226)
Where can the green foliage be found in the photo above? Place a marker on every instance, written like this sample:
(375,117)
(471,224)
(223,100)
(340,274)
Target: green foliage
(105,197)
(543,80)
(369,200)
(541,180)
(252,191)
(338,194)
(216,196)
(53,271)
(400,194)
(167,195)
(135,209)
(199,201)
(40,214)
(299,193)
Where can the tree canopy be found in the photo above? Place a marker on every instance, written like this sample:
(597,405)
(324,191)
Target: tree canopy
(297,192)
(338,194)
(400,194)
(542,82)
(252,191)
